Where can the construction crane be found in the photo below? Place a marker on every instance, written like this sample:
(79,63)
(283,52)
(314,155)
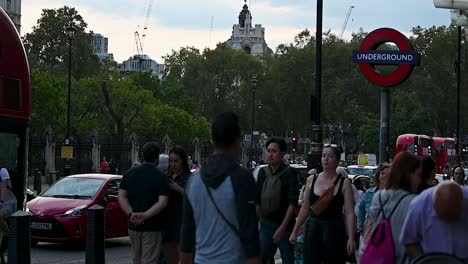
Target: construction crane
(139,41)
(138,44)
(346,21)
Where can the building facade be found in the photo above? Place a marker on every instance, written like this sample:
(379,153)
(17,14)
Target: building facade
(100,47)
(142,63)
(13,9)
(246,37)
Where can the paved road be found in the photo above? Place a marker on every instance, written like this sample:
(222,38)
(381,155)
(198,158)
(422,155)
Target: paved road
(117,252)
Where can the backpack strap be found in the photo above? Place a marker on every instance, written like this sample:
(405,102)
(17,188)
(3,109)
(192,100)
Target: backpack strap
(382,205)
(285,170)
(398,203)
(394,208)
(268,171)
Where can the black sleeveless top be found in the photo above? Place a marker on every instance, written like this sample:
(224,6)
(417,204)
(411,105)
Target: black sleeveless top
(335,208)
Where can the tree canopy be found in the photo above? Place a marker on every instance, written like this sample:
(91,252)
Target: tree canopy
(199,84)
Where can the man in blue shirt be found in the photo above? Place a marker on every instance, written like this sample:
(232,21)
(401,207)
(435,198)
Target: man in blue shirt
(437,222)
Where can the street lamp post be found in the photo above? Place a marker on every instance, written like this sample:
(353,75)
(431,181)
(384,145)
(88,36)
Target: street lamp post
(70,34)
(254,87)
(458,92)
(259,128)
(70,30)
(314,155)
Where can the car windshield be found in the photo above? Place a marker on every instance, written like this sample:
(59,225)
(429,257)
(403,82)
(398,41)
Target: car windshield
(361,171)
(74,188)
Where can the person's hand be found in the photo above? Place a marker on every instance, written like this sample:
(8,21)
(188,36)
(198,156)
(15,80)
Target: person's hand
(351,246)
(301,230)
(278,235)
(176,187)
(292,238)
(137,219)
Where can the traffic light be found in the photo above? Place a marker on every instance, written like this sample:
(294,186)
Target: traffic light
(294,143)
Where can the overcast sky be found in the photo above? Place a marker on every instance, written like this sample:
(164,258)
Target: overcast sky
(177,23)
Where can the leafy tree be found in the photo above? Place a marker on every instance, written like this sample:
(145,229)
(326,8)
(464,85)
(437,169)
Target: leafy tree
(49,104)
(47,45)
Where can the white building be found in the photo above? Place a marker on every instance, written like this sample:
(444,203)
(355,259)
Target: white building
(244,36)
(100,47)
(142,63)
(13,9)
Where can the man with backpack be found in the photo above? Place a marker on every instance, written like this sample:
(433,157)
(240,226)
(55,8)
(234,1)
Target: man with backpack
(218,219)
(277,198)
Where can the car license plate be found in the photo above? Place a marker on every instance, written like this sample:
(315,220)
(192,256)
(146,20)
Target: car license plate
(42,226)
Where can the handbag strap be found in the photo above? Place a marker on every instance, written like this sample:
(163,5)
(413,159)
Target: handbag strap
(231,225)
(334,183)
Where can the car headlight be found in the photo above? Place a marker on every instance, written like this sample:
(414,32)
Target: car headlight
(77,211)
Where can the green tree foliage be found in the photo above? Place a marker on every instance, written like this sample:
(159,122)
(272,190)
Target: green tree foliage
(218,80)
(47,45)
(48,102)
(198,85)
(101,98)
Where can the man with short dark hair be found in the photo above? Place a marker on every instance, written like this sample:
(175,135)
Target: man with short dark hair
(459,175)
(219,221)
(277,198)
(143,195)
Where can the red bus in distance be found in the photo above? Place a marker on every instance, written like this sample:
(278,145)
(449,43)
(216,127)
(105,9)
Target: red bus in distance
(419,145)
(440,153)
(451,152)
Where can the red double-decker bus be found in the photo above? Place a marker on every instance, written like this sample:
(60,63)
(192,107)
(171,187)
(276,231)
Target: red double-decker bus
(419,145)
(451,152)
(440,153)
(446,153)
(15,107)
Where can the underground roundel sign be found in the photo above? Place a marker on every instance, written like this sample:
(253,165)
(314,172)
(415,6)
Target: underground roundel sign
(405,57)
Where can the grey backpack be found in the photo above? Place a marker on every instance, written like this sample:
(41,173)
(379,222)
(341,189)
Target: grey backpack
(271,191)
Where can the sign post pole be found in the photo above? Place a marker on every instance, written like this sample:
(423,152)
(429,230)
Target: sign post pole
(315,153)
(459,153)
(384,124)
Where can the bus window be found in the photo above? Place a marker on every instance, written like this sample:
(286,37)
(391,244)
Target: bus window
(8,150)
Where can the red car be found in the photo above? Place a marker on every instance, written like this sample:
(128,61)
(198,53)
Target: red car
(59,213)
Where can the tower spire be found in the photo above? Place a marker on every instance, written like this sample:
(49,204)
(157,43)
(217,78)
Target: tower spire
(245,16)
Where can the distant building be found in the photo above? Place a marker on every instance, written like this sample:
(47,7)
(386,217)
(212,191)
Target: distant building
(248,38)
(100,47)
(142,63)
(13,9)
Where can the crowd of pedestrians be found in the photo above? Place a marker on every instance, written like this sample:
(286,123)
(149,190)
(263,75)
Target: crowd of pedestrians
(220,214)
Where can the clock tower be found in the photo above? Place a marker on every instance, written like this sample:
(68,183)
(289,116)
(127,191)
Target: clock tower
(247,37)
